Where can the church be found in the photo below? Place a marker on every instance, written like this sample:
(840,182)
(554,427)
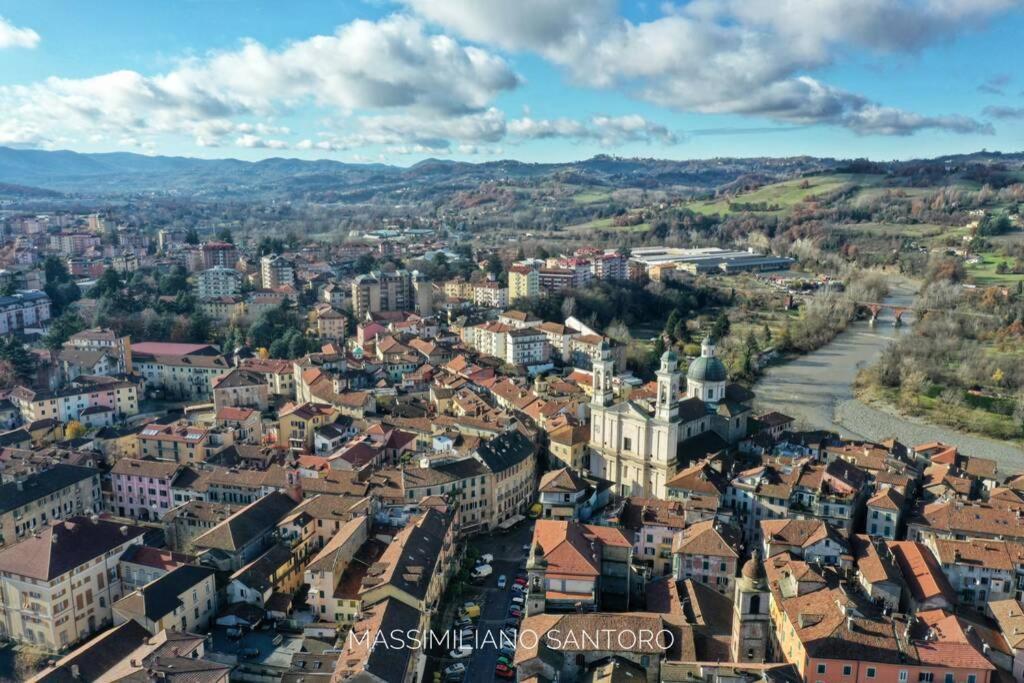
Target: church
(640,445)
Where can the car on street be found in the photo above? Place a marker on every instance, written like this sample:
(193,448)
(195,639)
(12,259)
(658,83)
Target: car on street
(503,671)
(463,622)
(507,651)
(507,661)
(512,622)
(517,600)
(486,558)
(456,669)
(520,581)
(513,612)
(502,581)
(461,652)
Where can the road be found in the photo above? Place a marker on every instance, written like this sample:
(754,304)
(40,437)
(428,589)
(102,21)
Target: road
(509,559)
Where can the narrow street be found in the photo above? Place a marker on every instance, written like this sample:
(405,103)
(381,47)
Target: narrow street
(510,560)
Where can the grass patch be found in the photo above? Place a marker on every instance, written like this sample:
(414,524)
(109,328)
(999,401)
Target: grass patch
(785,195)
(983,273)
(591,197)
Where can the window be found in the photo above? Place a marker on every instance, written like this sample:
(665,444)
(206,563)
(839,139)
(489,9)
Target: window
(926,677)
(847,669)
(871,672)
(950,678)
(972,678)
(821,668)
(627,443)
(754,607)
(903,675)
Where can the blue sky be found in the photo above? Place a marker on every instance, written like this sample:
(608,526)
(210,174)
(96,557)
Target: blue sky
(537,80)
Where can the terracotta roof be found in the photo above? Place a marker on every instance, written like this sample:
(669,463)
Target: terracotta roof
(564,480)
(921,571)
(61,547)
(708,538)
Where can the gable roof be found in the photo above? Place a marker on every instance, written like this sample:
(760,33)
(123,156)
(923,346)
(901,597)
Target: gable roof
(63,546)
(242,527)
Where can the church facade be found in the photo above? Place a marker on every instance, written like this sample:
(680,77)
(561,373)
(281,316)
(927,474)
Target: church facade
(641,445)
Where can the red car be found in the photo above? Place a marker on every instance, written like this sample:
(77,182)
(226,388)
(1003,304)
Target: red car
(503,671)
(520,580)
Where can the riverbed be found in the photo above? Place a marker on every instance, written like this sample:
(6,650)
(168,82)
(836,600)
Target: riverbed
(817,390)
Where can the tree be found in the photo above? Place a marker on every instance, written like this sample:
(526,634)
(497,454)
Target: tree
(998,376)
(74,429)
(22,362)
(224,235)
(61,329)
(364,264)
(191,236)
(720,328)
(671,323)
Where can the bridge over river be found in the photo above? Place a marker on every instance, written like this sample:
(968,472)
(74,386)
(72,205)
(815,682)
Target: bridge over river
(817,389)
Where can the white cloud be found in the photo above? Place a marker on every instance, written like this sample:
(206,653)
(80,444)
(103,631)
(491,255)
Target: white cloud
(727,56)
(13,36)
(254,141)
(609,130)
(390,65)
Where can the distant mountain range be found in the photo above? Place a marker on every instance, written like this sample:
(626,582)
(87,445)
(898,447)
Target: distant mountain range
(38,173)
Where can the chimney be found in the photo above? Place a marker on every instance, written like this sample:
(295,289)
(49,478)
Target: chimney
(124,530)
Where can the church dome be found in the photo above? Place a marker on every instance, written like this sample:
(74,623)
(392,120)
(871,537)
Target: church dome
(707,369)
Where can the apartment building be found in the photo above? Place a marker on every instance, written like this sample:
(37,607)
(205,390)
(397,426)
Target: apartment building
(101,339)
(142,488)
(240,388)
(490,294)
(328,597)
(278,374)
(182,442)
(184,599)
(708,552)
(526,346)
(218,281)
(219,254)
(22,310)
(276,271)
(523,283)
(400,290)
(59,585)
(179,371)
(93,400)
(62,491)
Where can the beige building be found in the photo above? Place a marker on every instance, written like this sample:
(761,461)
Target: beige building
(395,291)
(276,271)
(523,283)
(31,503)
(240,389)
(182,442)
(184,599)
(58,587)
(327,595)
(179,371)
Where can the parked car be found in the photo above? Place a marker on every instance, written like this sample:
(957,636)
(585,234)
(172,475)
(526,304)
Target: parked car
(249,652)
(456,669)
(502,581)
(512,622)
(463,622)
(481,572)
(517,600)
(520,581)
(507,661)
(514,612)
(507,651)
(503,671)
(461,652)
(486,558)
(471,612)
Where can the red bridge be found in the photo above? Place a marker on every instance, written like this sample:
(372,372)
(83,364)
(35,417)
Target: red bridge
(874,309)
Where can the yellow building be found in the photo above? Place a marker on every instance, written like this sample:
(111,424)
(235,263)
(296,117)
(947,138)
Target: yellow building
(297,424)
(523,283)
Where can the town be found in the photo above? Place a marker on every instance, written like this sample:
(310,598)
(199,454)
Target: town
(369,450)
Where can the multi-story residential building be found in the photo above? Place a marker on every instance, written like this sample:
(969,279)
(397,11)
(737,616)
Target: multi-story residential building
(1009,615)
(523,283)
(276,271)
(297,424)
(222,254)
(179,371)
(832,635)
(559,340)
(611,266)
(184,599)
(278,374)
(142,488)
(526,346)
(960,521)
(93,400)
(395,291)
(573,565)
(240,388)
(708,552)
(654,523)
(182,442)
(490,294)
(190,519)
(101,339)
(360,660)
(327,596)
(218,281)
(245,535)
(884,513)
(567,494)
(567,445)
(980,571)
(553,280)
(811,540)
(489,339)
(24,309)
(29,503)
(141,564)
(58,586)
(927,585)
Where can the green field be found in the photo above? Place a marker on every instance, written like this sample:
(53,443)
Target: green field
(787,194)
(606,224)
(984,273)
(592,197)
(916,230)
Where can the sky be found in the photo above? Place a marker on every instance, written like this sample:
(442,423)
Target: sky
(398,81)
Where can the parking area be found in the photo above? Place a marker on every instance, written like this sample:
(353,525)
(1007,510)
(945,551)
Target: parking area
(509,560)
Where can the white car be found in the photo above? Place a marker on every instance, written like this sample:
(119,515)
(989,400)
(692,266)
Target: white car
(502,581)
(455,669)
(461,653)
(486,558)
(518,600)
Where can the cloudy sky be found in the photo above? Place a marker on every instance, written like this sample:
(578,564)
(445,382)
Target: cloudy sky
(538,80)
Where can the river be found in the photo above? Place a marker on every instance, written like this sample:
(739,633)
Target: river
(817,390)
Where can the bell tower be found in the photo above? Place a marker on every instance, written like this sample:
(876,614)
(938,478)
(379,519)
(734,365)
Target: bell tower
(751,622)
(667,407)
(603,370)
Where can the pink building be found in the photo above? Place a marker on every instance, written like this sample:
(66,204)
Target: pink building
(142,488)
